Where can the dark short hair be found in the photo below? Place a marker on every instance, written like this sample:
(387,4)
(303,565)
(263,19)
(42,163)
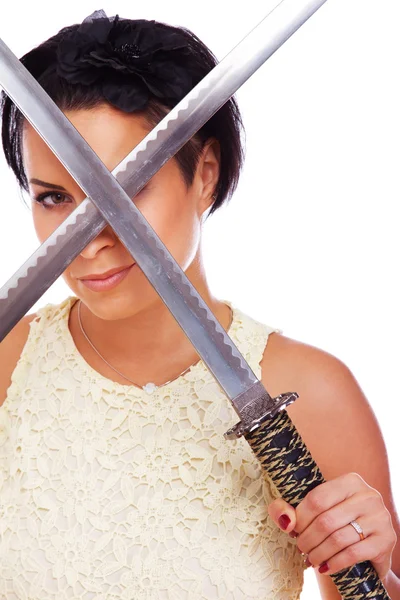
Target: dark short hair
(225,126)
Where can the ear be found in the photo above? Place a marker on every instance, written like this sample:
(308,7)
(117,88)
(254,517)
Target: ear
(207,174)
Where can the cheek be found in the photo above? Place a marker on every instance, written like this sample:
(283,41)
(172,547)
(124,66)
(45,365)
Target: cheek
(177,225)
(47,221)
(70,281)
(40,224)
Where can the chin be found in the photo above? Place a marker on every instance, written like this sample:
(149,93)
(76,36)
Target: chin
(118,304)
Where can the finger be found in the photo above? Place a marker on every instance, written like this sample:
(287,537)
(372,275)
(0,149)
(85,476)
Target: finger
(372,548)
(339,540)
(337,517)
(327,495)
(283,514)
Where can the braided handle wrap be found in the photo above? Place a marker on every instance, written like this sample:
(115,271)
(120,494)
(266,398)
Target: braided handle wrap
(288,463)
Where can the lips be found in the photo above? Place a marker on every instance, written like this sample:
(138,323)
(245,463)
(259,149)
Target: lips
(102,282)
(105,275)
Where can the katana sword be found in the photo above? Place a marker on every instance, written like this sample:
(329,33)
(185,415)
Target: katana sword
(264,423)
(33,278)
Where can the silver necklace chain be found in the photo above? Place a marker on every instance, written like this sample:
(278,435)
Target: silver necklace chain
(149,387)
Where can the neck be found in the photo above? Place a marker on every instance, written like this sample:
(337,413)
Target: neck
(140,345)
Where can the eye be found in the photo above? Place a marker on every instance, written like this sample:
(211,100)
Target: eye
(51,199)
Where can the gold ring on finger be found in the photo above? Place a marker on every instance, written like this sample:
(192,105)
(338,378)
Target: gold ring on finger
(358,528)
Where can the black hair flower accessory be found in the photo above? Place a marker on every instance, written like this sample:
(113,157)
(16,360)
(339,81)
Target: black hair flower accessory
(131,60)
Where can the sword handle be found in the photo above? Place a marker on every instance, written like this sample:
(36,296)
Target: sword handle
(287,461)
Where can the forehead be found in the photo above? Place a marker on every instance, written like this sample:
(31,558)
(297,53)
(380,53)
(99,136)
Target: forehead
(111,133)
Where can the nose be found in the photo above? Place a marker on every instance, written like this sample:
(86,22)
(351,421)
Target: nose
(105,239)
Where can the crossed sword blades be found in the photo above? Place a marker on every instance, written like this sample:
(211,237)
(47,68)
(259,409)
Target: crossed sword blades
(111,197)
(111,202)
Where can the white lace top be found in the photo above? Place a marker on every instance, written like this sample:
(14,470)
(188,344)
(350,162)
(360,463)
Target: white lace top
(110,493)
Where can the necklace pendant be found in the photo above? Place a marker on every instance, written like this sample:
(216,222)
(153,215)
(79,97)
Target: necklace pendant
(149,388)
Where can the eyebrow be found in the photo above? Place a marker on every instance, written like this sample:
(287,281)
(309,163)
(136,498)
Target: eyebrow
(45,184)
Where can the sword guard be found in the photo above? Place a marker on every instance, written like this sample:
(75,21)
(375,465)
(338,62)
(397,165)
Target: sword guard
(251,423)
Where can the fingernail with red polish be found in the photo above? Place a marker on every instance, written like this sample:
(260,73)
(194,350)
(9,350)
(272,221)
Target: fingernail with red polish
(284,521)
(294,534)
(307,563)
(323,567)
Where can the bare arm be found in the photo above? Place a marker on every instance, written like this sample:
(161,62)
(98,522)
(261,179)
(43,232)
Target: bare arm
(337,424)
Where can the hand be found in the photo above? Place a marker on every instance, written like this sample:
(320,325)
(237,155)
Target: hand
(321,525)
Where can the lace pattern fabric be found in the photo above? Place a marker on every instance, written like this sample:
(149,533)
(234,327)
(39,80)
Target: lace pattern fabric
(107,492)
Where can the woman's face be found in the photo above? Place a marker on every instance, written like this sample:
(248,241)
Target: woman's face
(173,209)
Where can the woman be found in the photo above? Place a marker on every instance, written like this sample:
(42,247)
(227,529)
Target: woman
(116,479)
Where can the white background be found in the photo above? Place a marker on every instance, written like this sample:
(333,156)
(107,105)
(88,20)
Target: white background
(309,242)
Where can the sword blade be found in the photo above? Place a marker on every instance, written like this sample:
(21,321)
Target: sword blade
(282,453)
(209,338)
(27,285)
(47,263)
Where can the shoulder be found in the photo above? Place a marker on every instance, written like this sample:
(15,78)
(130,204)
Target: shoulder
(290,361)
(10,351)
(12,347)
(332,413)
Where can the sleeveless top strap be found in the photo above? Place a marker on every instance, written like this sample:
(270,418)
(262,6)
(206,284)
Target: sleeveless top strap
(42,332)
